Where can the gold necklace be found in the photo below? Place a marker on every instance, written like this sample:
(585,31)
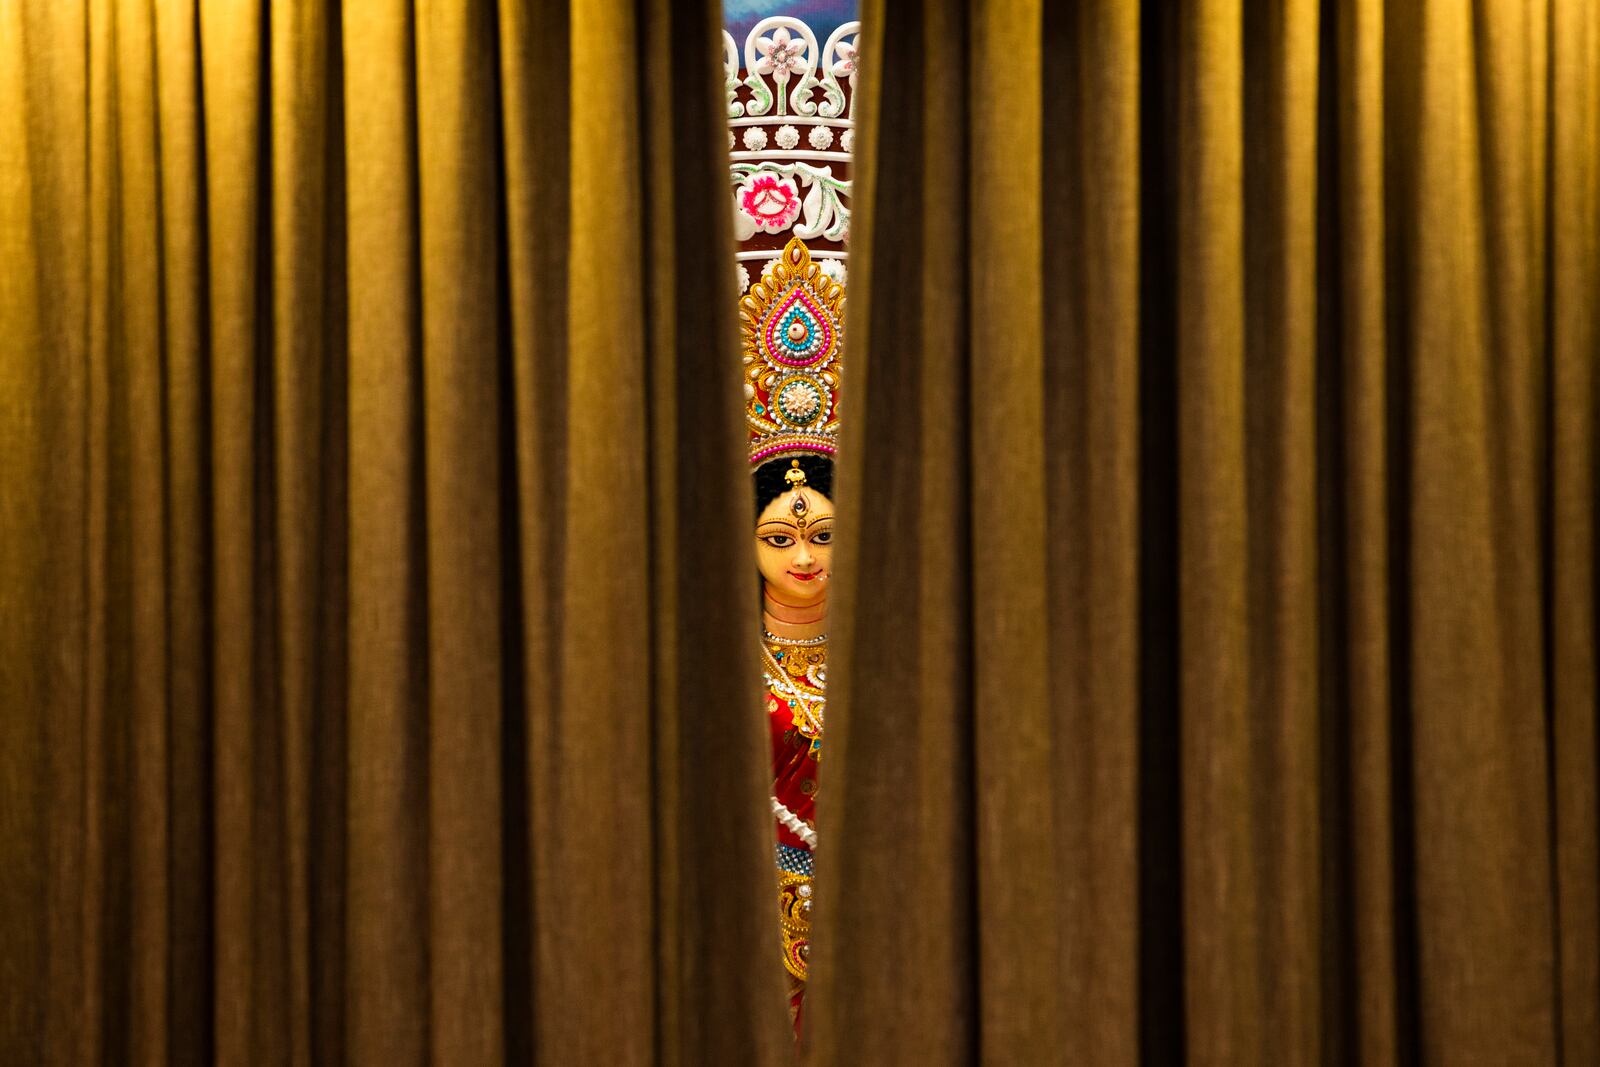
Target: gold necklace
(797,671)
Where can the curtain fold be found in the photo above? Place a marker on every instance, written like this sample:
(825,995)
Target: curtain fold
(1217,651)
(371,437)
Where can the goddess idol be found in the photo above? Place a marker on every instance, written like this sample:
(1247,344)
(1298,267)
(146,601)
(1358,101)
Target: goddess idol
(792,319)
(790,141)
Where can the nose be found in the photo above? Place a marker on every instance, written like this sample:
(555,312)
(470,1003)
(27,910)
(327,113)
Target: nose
(802,557)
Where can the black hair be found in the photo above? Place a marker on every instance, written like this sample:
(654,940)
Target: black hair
(771,480)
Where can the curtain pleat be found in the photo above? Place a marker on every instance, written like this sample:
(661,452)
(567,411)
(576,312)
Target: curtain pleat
(1357,377)
(1216,651)
(460,300)
(1574,336)
(386,907)
(374,540)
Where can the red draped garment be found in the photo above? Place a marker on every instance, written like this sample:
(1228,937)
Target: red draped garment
(795,673)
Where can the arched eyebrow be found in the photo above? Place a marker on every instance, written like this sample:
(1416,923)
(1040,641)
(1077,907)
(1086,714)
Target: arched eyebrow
(786,525)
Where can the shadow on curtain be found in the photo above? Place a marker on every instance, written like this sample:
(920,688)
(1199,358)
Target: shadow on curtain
(1222,460)
(370,438)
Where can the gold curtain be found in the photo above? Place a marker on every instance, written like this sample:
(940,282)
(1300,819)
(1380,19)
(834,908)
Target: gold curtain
(1216,646)
(370,445)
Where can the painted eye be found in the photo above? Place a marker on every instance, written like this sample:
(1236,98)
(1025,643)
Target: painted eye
(779,541)
(823,538)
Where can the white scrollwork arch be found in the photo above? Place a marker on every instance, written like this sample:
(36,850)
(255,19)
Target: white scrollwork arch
(839,60)
(730,70)
(783,48)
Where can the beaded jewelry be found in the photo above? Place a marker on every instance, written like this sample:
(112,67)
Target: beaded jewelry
(774,639)
(798,673)
(793,328)
(795,824)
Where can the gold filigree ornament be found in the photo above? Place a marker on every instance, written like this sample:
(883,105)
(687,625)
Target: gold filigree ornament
(798,674)
(794,913)
(793,328)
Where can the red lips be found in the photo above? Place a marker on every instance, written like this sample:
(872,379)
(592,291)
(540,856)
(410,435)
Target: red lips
(797,576)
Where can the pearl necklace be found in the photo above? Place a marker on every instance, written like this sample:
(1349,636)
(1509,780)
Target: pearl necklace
(798,642)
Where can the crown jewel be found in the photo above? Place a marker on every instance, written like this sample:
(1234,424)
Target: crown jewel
(790,137)
(792,320)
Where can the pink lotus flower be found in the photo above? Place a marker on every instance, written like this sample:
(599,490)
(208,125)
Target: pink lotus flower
(780,53)
(772,202)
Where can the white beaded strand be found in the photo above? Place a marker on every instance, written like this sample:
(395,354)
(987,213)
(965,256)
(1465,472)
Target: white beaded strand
(794,824)
(810,707)
(797,642)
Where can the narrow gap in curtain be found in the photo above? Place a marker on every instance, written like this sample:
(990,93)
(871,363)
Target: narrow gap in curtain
(112,726)
(1408,1015)
(206,684)
(966,771)
(1340,985)
(325,866)
(534,49)
(421,639)
(1400,62)
(166,414)
(1162,1027)
(1592,53)
(272,834)
(656,515)
(516,881)
(651,344)
(1547,551)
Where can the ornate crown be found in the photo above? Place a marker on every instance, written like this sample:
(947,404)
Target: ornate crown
(793,339)
(790,138)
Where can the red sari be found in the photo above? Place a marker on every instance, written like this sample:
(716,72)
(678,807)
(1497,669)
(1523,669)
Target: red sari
(795,673)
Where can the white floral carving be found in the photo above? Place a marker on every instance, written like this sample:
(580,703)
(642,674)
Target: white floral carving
(841,58)
(770,199)
(845,65)
(783,49)
(785,70)
(730,71)
(781,54)
(798,97)
(762,189)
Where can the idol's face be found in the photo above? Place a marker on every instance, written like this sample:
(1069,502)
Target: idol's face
(794,546)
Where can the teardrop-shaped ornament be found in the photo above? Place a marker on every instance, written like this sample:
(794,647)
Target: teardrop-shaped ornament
(798,332)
